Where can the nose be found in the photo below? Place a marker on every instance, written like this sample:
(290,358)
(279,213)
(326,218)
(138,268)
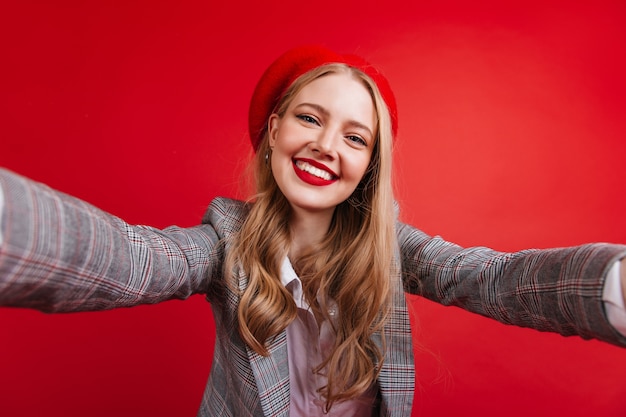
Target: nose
(325,144)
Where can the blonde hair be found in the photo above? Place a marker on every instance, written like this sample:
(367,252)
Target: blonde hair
(354,265)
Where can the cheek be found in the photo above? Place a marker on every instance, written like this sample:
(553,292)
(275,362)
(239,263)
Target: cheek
(283,143)
(365,164)
(357,168)
(276,164)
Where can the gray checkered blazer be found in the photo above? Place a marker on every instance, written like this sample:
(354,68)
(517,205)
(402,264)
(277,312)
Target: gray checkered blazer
(61,254)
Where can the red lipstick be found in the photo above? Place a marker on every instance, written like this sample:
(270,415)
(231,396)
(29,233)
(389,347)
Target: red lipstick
(313,179)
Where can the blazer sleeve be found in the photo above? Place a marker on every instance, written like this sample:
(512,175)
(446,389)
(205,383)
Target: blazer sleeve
(556,290)
(60,254)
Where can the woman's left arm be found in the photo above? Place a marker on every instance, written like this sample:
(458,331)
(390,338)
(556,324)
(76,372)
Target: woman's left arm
(557,290)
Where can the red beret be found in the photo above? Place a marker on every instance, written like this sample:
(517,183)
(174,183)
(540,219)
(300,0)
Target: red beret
(292,64)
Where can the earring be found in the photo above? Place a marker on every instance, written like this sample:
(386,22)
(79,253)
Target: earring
(267,157)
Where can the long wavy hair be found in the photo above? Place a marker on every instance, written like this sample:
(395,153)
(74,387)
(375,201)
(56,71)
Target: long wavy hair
(353,266)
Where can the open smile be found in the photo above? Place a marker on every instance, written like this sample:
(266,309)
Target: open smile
(313,172)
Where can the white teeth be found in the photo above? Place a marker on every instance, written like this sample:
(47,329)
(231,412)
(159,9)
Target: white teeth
(306,167)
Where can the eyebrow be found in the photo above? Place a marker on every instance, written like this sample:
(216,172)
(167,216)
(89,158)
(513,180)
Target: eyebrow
(326,113)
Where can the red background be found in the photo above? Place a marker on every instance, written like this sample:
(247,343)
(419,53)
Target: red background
(512,122)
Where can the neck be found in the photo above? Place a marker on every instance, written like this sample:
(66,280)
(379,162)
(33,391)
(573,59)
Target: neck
(307,229)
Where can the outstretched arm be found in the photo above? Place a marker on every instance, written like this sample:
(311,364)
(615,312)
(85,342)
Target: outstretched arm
(58,253)
(557,290)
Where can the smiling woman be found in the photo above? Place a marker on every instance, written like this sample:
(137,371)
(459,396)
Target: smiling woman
(306,280)
(321,137)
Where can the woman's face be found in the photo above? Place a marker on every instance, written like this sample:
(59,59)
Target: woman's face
(322,145)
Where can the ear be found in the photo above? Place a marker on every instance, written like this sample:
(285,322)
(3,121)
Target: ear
(272,128)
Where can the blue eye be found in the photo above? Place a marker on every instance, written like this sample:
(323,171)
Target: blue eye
(307,118)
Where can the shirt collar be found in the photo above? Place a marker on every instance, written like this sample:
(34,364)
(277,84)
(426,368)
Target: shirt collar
(291,281)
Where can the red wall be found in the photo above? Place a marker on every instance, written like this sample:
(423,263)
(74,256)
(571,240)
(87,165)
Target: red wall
(512,125)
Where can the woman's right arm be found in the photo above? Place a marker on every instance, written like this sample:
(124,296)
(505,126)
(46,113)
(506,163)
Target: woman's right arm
(60,254)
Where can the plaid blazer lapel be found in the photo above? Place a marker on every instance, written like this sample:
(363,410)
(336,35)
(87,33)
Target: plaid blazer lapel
(272,377)
(271,373)
(396,380)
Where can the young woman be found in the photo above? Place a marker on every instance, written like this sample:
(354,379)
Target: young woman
(307,280)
